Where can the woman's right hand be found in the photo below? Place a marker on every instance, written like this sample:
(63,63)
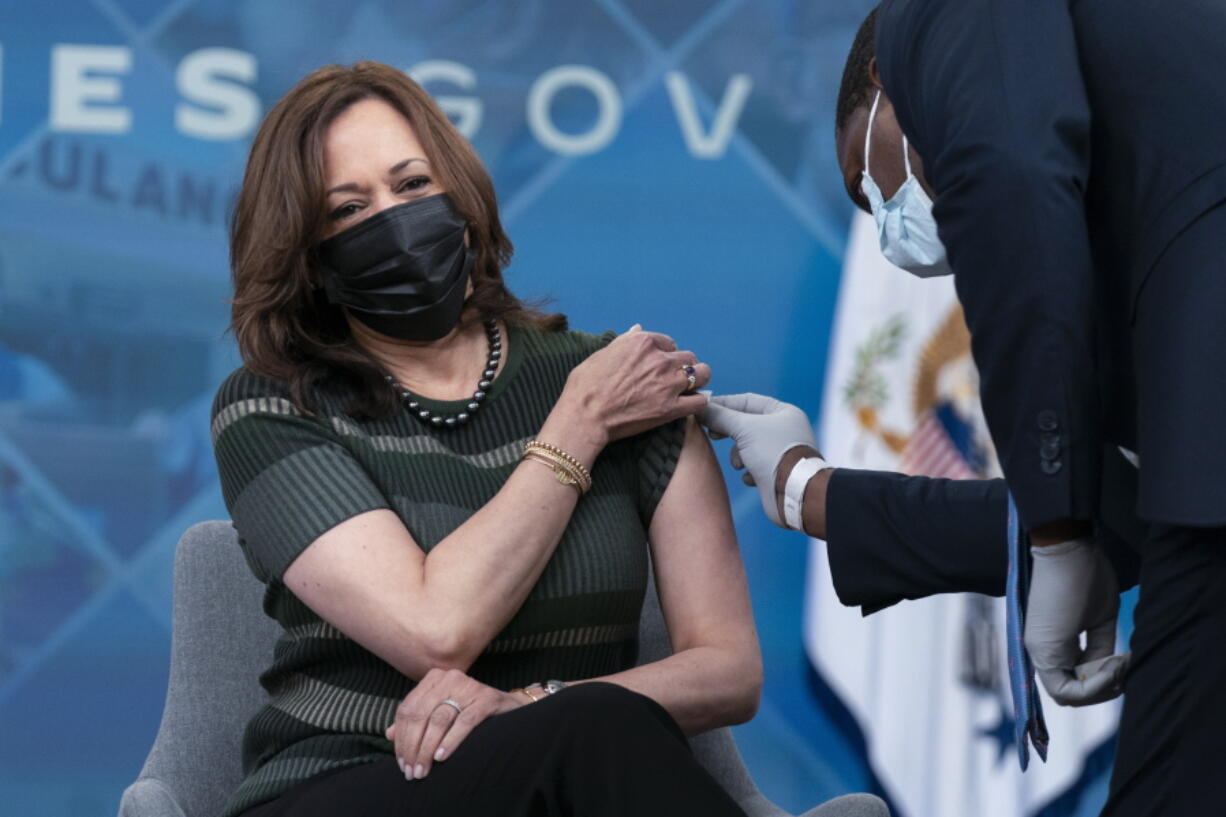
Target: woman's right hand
(439,713)
(636,383)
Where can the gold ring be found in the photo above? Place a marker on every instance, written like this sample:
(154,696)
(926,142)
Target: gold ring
(691,377)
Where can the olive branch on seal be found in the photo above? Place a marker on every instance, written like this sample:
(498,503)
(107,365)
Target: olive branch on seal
(866,388)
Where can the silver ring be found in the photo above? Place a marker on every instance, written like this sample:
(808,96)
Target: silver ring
(453,704)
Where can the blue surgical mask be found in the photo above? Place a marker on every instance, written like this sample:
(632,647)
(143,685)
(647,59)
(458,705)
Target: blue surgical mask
(905,226)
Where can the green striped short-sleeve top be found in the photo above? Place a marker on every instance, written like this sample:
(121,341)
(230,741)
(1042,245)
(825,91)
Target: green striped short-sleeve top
(288,477)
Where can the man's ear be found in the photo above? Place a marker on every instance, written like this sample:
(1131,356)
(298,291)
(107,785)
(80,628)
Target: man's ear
(873,75)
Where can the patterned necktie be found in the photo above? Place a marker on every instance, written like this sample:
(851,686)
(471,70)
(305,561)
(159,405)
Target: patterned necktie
(1027,708)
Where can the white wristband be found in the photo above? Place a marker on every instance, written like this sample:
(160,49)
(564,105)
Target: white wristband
(794,491)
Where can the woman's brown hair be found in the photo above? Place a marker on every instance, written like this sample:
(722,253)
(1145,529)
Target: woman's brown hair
(285,328)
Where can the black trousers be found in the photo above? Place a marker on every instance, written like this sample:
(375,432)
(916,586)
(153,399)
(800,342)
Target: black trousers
(591,750)
(1172,740)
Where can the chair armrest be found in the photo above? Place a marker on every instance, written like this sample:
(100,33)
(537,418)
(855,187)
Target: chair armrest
(756,805)
(149,797)
(851,805)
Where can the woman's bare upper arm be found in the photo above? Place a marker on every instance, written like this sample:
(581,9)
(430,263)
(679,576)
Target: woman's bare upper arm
(698,567)
(360,576)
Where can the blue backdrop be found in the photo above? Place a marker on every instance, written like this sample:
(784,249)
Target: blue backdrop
(664,163)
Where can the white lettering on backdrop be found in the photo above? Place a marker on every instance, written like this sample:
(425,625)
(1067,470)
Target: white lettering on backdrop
(222,108)
(218,103)
(85,74)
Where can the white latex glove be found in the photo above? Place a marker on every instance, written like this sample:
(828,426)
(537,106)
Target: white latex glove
(764,429)
(1073,589)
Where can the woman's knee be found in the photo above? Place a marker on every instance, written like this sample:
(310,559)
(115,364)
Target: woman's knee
(600,699)
(597,710)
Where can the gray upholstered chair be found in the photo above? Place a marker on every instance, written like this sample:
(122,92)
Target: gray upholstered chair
(222,641)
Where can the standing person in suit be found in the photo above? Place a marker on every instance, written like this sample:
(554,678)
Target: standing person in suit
(1072,156)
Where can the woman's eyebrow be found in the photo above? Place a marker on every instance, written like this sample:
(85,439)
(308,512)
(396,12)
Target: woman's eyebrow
(352,187)
(399,166)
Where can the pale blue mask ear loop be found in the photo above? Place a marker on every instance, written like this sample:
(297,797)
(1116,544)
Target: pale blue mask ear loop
(868,134)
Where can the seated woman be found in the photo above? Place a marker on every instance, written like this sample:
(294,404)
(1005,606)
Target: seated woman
(450,498)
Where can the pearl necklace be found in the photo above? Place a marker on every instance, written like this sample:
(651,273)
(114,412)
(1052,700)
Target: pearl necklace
(437,420)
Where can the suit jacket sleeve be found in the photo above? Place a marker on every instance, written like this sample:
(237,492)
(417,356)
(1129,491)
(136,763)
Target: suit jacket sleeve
(893,537)
(991,95)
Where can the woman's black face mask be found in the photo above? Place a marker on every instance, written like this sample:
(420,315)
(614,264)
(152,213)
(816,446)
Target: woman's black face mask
(402,272)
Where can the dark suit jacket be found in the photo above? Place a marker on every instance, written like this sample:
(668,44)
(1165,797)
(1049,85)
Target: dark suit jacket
(892,537)
(1070,142)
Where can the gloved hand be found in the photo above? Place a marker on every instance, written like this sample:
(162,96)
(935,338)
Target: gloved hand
(1074,589)
(764,429)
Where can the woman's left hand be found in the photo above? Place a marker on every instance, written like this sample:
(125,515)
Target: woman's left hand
(427,730)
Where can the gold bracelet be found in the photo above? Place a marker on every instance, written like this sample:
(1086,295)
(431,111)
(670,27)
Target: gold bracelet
(538,445)
(555,455)
(526,692)
(582,477)
(561,469)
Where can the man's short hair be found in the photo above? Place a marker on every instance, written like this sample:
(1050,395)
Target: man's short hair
(855,87)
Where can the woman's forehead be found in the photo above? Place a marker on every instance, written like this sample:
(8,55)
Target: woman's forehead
(369,132)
